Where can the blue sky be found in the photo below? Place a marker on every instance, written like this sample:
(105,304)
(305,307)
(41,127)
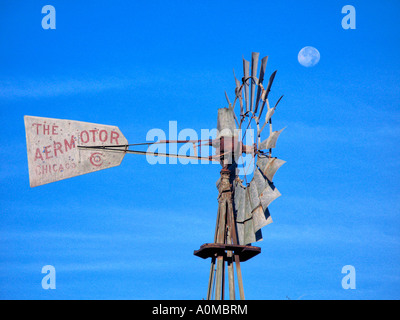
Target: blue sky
(129,232)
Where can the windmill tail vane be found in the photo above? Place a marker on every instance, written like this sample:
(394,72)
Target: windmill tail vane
(58,149)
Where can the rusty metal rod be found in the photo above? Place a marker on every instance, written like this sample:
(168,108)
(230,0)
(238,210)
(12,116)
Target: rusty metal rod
(206,142)
(211,279)
(220,259)
(210,158)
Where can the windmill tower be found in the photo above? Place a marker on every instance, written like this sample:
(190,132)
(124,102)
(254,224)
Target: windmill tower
(59,149)
(242,205)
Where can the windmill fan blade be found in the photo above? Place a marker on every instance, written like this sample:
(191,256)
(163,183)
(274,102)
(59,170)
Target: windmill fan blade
(269,114)
(253,195)
(227,99)
(254,65)
(251,202)
(261,219)
(260,81)
(269,194)
(266,190)
(266,194)
(244,217)
(269,166)
(272,111)
(265,94)
(238,94)
(239,202)
(271,141)
(248,225)
(271,80)
(251,205)
(246,65)
(279,100)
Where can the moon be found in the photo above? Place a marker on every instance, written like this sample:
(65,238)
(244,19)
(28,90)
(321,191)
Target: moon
(308,57)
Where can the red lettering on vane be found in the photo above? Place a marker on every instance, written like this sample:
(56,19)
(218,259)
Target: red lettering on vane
(47,151)
(45,129)
(86,134)
(103,135)
(37,128)
(54,168)
(114,136)
(69,145)
(57,146)
(94,134)
(38,155)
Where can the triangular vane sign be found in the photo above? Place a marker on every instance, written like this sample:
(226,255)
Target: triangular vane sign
(53,153)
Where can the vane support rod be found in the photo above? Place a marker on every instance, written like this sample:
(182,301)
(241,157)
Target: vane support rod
(147,153)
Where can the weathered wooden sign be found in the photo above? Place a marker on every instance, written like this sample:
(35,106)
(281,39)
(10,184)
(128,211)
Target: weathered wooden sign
(53,152)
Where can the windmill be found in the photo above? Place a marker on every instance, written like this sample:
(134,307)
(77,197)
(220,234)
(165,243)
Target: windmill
(242,204)
(60,149)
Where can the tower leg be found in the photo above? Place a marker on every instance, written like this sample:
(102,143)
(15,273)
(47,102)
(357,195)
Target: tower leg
(240,280)
(219,286)
(211,279)
(231,276)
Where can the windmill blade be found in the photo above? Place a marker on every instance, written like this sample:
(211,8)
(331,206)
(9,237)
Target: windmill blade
(272,111)
(269,194)
(244,218)
(268,89)
(261,218)
(266,193)
(269,114)
(248,224)
(238,94)
(265,94)
(227,99)
(253,195)
(271,141)
(232,107)
(52,149)
(251,202)
(246,66)
(254,66)
(239,204)
(269,166)
(279,100)
(251,206)
(260,81)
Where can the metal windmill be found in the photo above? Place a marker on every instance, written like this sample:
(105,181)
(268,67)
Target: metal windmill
(59,149)
(242,205)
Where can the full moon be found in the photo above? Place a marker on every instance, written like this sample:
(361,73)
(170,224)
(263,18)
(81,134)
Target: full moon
(308,57)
